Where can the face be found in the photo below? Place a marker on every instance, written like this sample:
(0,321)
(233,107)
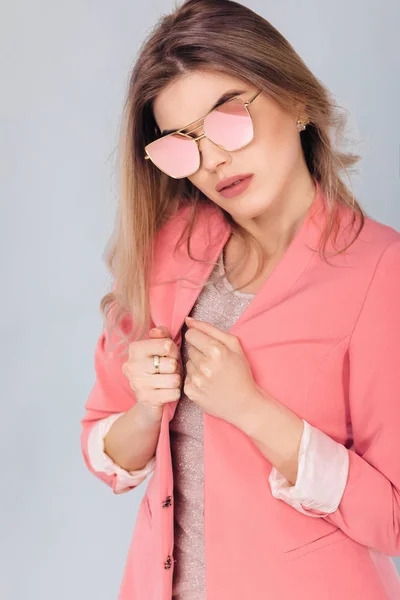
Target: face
(274,156)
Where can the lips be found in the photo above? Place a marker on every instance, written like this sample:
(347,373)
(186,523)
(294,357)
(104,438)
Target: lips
(227,182)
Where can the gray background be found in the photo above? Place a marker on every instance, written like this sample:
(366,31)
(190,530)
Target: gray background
(64,68)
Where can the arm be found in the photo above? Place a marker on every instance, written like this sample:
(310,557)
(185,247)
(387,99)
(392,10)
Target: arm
(114,426)
(100,456)
(309,469)
(368,510)
(322,472)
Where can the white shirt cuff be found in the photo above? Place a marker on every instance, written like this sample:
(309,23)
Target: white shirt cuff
(100,461)
(321,478)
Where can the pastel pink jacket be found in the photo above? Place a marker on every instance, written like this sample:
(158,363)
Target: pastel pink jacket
(324,340)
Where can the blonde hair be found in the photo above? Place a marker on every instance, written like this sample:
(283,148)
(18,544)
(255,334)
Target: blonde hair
(208,35)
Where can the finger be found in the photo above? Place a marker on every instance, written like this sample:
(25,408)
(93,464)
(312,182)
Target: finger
(168,364)
(161,330)
(133,368)
(196,357)
(164,347)
(190,368)
(163,396)
(145,348)
(156,333)
(168,395)
(200,340)
(164,381)
(147,379)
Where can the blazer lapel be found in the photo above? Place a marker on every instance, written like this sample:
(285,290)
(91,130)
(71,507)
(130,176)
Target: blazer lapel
(208,240)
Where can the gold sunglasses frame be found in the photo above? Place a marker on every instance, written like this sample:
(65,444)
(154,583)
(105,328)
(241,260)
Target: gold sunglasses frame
(197,139)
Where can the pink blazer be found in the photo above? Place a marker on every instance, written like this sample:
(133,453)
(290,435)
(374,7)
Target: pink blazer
(324,340)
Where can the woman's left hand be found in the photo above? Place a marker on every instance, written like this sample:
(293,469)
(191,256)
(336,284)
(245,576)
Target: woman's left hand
(218,375)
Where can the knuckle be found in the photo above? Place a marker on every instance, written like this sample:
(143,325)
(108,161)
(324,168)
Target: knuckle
(126,368)
(167,346)
(216,350)
(206,370)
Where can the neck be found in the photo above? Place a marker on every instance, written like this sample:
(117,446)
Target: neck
(276,228)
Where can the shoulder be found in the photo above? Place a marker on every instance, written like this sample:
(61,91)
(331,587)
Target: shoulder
(375,241)
(380,277)
(380,232)
(377,255)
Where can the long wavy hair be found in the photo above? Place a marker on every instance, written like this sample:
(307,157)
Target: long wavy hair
(208,35)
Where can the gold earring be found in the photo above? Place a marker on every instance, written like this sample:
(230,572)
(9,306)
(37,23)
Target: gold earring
(301,125)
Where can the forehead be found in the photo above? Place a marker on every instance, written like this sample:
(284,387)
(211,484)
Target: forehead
(192,96)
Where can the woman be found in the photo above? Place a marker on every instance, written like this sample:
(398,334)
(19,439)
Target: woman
(269,424)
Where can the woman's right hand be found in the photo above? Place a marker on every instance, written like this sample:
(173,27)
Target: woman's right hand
(153,390)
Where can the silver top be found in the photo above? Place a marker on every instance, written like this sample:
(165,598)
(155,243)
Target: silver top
(221,305)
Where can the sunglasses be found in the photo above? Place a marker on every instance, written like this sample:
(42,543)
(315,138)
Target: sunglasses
(229,126)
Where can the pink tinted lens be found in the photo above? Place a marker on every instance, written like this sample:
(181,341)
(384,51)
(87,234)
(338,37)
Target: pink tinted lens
(175,154)
(229,125)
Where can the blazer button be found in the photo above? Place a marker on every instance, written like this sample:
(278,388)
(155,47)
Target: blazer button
(168,562)
(167,502)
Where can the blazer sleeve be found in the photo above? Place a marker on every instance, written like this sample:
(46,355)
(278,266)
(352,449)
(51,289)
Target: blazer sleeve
(369,507)
(110,396)
(322,473)
(100,461)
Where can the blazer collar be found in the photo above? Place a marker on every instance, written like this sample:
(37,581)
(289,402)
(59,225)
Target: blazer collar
(207,241)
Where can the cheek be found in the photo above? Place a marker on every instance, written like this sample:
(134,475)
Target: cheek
(279,144)
(194,179)
(199,180)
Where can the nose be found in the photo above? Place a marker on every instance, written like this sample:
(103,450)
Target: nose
(212,155)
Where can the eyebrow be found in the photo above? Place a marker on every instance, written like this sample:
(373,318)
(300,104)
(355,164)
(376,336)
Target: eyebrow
(224,98)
